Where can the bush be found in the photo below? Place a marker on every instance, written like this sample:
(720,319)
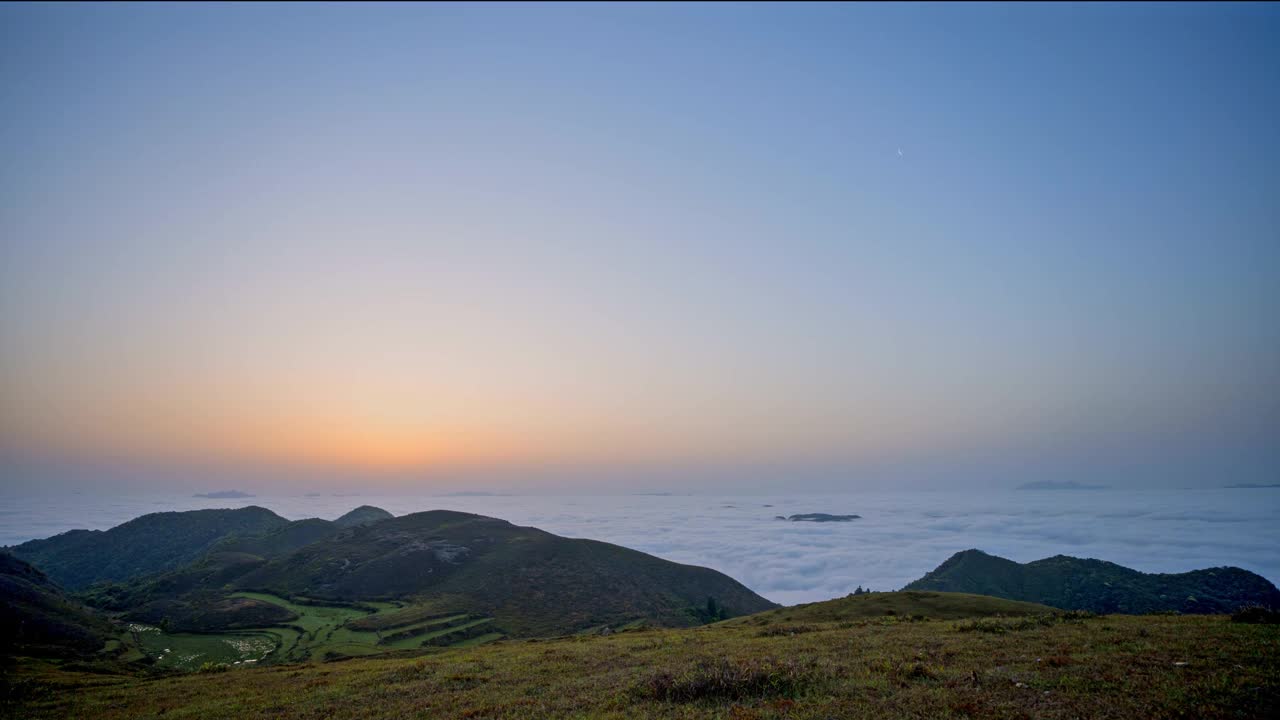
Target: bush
(1256,615)
(1074,616)
(904,674)
(734,680)
(785,630)
(212,667)
(998,625)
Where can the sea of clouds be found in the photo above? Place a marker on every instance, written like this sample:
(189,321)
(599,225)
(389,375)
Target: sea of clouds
(900,536)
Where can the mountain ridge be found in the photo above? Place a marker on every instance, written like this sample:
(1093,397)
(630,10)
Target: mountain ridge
(145,545)
(530,581)
(1099,586)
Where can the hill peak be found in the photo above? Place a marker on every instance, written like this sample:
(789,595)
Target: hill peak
(363,515)
(152,543)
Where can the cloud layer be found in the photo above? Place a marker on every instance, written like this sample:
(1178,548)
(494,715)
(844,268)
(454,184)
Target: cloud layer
(899,538)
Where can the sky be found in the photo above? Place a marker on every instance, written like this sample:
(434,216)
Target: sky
(630,247)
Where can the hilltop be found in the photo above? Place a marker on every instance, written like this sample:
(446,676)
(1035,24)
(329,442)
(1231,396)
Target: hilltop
(363,515)
(1097,586)
(279,540)
(145,545)
(171,541)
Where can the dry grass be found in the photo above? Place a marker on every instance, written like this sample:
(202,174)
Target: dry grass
(1108,667)
(734,679)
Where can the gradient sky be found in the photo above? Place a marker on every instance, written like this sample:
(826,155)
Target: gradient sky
(635,247)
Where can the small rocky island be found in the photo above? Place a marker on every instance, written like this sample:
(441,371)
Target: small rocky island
(223,495)
(819,517)
(1055,485)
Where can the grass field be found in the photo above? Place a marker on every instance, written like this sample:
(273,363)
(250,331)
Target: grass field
(908,604)
(1038,666)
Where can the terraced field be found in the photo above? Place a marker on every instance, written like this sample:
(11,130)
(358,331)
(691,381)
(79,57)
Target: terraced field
(320,632)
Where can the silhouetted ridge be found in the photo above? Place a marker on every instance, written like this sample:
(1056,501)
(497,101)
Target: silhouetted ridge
(143,546)
(1099,586)
(363,515)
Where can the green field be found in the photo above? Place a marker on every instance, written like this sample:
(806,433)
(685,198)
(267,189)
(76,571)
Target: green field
(320,632)
(1040,666)
(190,651)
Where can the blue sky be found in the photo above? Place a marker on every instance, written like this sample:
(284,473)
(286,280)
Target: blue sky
(603,245)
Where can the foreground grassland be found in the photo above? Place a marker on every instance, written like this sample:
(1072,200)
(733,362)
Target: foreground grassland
(772,666)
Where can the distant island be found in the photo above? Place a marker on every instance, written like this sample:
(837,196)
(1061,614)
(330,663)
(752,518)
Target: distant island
(472,493)
(1054,485)
(223,494)
(819,517)
(1251,485)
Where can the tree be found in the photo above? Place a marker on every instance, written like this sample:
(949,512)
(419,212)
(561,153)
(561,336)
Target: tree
(714,611)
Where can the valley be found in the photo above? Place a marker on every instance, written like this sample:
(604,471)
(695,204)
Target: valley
(320,632)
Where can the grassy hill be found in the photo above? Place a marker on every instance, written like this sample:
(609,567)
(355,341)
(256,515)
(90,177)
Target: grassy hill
(145,545)
(840,665)
(363,515)
(531,582)
(279,541)
(39,619)
(1097,586)
(523,581)
(227,560)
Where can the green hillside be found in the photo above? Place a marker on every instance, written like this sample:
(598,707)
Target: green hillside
(531,582)
(227,560)
(208,612)
(1101,587)
(39,619)
(149,544)
(279,541)
(1201,667)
